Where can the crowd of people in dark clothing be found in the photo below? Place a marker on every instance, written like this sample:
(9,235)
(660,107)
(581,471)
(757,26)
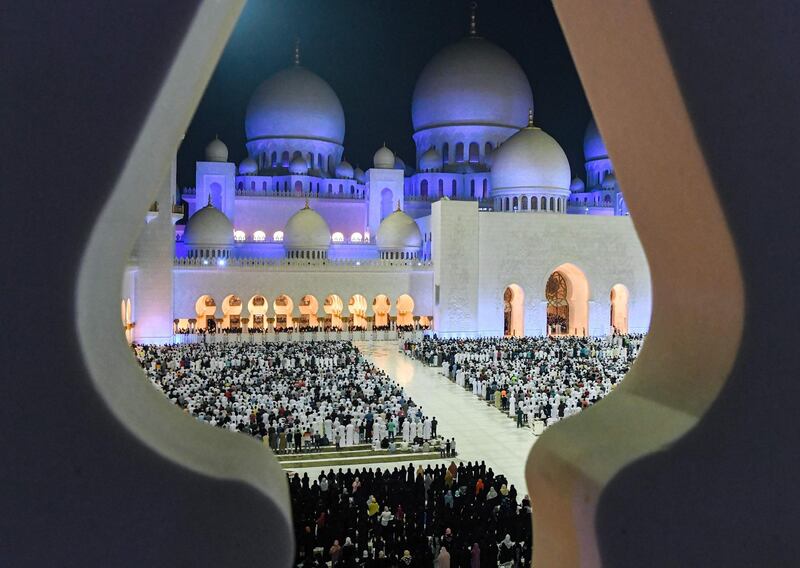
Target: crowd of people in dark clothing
(462,515)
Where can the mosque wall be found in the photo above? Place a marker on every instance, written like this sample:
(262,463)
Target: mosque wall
(526,249)
(346,216)
(385,188)
(455,246)
(190,284)
(215,179)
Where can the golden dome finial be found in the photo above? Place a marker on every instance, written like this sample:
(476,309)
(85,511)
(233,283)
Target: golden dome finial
(307,206)
(398,206)
(530,118)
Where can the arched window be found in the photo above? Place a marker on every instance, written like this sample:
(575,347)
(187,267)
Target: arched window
(330,188)
(459,152)
(487,149)
(356,238)
(298,186)
(534,204)
(552,204)
(273,162)
(472,188)
(277,236)
(240,185)
(524,203)
(337,237)
(423,189)
(445,153)
(320,161)
(515,203)
(453,189)
(263,186)
(474,152)
(259,236)
(285,158)
(507,207)
(253,185)
(441,187)
(543,204)
(341,189)
(485,188)
(239,236)
(607,199)
(310,160)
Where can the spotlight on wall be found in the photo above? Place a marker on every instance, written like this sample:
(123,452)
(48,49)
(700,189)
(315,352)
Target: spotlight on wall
(221,262)
(205,261)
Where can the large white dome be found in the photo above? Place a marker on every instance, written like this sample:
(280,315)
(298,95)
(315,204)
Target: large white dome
(295,103)
(593,146)
(383,158)
(216,151)
(398,232)
(530,159)
(208,227)
(306,230)
(471,82)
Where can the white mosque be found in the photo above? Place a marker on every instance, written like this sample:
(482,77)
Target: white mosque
(489,233)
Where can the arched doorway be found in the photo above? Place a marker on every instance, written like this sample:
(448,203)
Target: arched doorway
(567,295)
(205,307)
(619,308)
(405,311)
(357,308)
(380,308)
(513,311)
(257,308)
(333,307)
(283,307)
(231,312)
(387,201)
(309,306)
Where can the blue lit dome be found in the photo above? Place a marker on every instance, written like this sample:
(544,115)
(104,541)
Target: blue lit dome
(431,161)
(295,103)
(383,158)
(358,173)
(344,170)
(471,82)
(248,166)
(593,146)
(609,181)
(298,166)
(577,185)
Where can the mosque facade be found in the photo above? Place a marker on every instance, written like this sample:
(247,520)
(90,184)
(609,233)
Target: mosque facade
(486,231)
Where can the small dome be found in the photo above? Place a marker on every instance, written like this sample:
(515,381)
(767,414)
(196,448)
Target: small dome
(208,227)
(530,159)
(398,232)
(430,161)
(298,166)
(577,185)
(399,164)
(358,173)
(344,170)
(593,146)
(248,166)
(306,230)
(216,151)
(609,181)
(383,158)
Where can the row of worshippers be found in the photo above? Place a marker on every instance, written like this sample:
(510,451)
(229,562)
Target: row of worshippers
(535,380)
(297,396)
(459,515)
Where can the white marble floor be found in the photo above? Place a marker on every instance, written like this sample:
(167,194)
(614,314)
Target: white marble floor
(481,432)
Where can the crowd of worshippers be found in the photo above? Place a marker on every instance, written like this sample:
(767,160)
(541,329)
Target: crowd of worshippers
(461,516)
(533,379)
(294,396)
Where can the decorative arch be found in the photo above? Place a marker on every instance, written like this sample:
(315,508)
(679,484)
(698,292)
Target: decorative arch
(206,308)
(309,307)
(283,307)
(257,308)
(357,308)
(513,311)
(231,311)
(381,305)
(619,308)
(387,200)
(333,307)
(567,297)
(405,310)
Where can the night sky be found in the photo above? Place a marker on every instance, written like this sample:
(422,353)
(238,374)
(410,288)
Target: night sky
(371,52)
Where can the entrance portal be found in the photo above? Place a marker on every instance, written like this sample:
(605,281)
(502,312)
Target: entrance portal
(513,311)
